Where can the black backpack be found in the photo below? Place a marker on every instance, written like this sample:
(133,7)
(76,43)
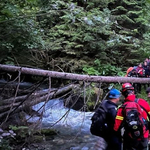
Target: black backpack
(132,73)
(99,123)
(134,122)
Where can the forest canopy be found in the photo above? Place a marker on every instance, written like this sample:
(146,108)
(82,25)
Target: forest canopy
(97,37)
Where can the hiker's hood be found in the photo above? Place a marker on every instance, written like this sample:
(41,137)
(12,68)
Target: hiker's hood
(130,98)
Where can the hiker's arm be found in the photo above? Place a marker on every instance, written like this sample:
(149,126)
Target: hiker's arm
(112,115)
(146,107)
(118,120)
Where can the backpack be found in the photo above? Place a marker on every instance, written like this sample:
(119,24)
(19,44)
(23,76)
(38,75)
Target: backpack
(146,122)
(99,120)
(133,121)
(132,73)
(141,72)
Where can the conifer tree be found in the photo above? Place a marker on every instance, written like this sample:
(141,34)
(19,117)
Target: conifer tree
(129,27)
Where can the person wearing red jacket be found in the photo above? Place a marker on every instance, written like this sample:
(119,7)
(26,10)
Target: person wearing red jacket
(128,142)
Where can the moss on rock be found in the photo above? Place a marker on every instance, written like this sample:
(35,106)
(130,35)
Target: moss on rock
(48,132)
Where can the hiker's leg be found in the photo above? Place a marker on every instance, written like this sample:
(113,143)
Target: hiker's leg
(143,144)
(114,143)
(128,143)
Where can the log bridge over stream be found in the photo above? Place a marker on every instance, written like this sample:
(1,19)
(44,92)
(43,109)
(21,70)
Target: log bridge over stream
(13,99)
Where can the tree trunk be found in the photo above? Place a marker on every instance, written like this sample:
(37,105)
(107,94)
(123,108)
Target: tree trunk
(71,76)
(21,98)
(33,99)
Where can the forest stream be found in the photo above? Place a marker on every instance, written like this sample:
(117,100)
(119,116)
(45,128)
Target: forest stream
(73,129)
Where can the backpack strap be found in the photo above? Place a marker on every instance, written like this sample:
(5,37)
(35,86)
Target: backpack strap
(104,105)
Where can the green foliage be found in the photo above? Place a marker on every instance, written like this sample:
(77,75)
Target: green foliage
(18,32)
(5,145)
(21,131)
(90,71)
(103,69)
(40,32)
(129,28)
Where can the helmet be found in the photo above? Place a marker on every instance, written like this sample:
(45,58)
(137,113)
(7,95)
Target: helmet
(127,86)
(114,93)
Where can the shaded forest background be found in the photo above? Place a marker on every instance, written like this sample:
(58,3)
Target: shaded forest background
(95,37)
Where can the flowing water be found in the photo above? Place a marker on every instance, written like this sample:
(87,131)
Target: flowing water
(73,127)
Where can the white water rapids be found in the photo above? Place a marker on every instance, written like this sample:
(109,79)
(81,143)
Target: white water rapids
(62,119)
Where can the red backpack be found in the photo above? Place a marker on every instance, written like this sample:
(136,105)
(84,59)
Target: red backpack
(141,72)
(134,123)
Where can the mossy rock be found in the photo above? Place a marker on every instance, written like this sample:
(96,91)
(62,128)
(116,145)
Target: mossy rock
(21,131)
(38,138)
(48,132)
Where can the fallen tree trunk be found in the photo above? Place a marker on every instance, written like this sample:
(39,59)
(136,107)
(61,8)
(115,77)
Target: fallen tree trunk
(33,100)
(51,95)
(71,76)
(21,98)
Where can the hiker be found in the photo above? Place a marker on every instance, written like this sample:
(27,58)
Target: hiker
(140,70)
(147,60)
(145,65)
(130,141)
(148,92)
(112,138)
(133,73)
(128,71)
(140,73)
(147,71)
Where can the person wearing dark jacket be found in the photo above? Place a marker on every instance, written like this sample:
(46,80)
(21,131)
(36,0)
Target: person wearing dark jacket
(112,138)
(128,142)
(148,92)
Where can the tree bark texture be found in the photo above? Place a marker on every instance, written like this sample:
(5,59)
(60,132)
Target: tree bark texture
(72,76)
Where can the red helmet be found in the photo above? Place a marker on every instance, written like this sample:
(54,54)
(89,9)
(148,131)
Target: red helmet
(127,86)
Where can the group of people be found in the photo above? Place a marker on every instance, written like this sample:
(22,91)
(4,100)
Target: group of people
(117,137)
(142,70)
